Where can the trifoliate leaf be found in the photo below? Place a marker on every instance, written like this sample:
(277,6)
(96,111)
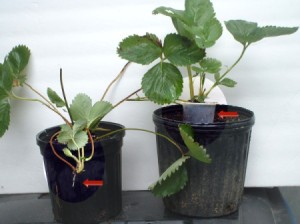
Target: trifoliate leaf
(211,65)
(163,83)
(75,137)
(140,49)
(82,109)
(181,51)
(4,116)
(248,32)
(195,149)
(54,98)
(172,180)
(228,82)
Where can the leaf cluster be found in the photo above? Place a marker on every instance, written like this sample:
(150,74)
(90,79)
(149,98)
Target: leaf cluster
(85,116)
(12,74)
(197,29)
(163,82)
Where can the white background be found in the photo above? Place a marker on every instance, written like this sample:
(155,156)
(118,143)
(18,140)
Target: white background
(82,36)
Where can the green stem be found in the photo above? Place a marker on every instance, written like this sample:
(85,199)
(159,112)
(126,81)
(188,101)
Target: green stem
(115,79)
(64,95)
(144,130)
(191,84)
(93,146)
(228,70)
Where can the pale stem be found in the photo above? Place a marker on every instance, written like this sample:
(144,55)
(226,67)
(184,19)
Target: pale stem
(43,103)
(126,98)
(116,79)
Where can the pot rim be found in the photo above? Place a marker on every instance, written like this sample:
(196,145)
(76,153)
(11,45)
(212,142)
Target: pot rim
(53,129)
(244,123)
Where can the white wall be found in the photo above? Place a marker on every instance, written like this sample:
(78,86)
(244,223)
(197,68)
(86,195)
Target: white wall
(82,36)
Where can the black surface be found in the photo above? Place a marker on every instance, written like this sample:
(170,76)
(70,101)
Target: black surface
(259,206)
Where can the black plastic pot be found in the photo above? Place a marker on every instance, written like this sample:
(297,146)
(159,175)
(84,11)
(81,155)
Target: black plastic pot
(75,203)
(213,189)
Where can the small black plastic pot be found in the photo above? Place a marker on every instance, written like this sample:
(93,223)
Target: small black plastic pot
(213,189)
(72,201)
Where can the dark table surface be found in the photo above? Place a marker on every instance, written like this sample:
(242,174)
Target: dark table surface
(259,206)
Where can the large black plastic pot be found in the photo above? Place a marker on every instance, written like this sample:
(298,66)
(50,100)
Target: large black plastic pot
(76,203)
(213,189)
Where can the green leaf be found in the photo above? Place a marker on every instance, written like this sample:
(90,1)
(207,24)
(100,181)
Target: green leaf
(7,77)
(181,51)
(163,83)
(199,11)
(54,98)
(228,82)
(173,13)
(197,22)
(75,137)
(273,31)
(79,125)
(4,116)
(207,34)
(195,149)
(18,57)
(80,107)
(248,32)
(242,31)
(186,128)
(210,65)
(3,93)
(140,49)
(98,111)
(172,180)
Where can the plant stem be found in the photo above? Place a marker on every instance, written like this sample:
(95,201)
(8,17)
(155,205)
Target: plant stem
(115,79)
(43,103)
(191,85)
(64,95)
(58,156)
(228,70)
(126,98)
(144,130)
(38,93)
(93,146)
